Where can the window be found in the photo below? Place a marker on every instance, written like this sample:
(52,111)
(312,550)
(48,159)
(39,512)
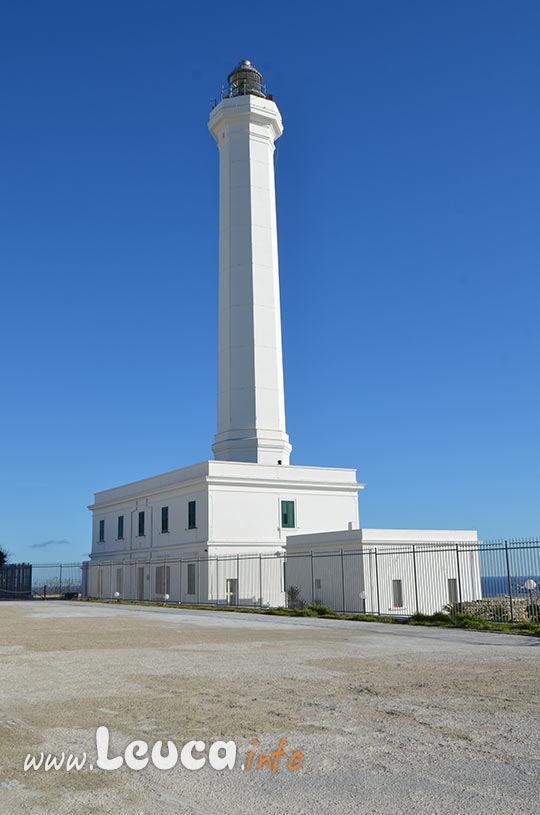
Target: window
(452,590)
(317,583)
(120,579)
(163,579)
(192,515)
(164,519)
(101,531)
(397,593)
(191,578)
(141,524)
(120,534)
(287,514)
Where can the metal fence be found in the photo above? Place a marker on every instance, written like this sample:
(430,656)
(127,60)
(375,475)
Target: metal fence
(15,581)
(243,581)
(56,581)
(497,580)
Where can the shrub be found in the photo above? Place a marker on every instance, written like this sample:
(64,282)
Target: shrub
(323,611)
(533,611)
(368,618)
(294,599)
(304,612)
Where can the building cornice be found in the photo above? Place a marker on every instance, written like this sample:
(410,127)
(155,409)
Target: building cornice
(284,484)
(245,110)
(214,473)
(149,493)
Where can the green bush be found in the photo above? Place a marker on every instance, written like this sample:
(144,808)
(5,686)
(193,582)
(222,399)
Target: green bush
(369,618)
(305,612)
(323,611)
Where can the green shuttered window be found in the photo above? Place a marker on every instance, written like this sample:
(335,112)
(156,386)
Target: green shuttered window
(287,514)
(192,515)
(164,519)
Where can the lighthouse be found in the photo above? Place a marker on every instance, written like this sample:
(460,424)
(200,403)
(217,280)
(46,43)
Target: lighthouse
(251,405)
(222,531)
(182,532)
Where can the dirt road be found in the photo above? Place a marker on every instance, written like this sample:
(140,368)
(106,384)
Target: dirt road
(388,719)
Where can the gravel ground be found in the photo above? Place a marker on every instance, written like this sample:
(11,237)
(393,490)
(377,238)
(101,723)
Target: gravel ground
(389,719)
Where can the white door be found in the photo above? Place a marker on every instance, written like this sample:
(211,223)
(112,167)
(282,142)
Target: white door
(231,591)
(140,583)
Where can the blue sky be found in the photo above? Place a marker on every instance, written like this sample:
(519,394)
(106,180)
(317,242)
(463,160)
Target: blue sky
(408,184)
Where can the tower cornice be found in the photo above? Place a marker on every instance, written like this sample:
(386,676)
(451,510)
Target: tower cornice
(238,112)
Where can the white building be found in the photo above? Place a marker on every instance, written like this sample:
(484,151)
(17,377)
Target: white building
(216,508)
(250,498)
(385,571)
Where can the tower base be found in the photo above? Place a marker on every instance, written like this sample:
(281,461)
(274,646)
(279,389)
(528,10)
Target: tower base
(253,447)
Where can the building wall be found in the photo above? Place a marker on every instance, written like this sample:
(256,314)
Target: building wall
(154,540)
(345,570)
(249,581)
(351,575)
(148,580)
(435,566)
(259,580)
(247,517)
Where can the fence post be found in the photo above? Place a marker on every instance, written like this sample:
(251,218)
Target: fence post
(342,583)
(312,580)
(377,582)
(237,579)
(60,589)
(217,580)
(459,578)
(166,589)
(260,580)
(509,585)
(415,579)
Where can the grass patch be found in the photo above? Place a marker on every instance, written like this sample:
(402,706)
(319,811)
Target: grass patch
(474,623)
(440,619)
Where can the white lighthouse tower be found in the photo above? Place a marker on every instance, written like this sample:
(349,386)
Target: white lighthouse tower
(251,404)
